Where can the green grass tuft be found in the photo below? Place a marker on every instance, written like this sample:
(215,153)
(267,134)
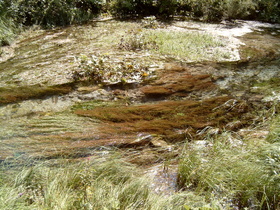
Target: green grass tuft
(92,184)
(191,45)
(241,175)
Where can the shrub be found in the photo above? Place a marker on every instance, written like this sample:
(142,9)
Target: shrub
(132,8)
(215,10)
(55,12)
(166,8)
(239,9)
(269,10)
(209,10)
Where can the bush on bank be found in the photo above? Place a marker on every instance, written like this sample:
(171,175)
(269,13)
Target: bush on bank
(206,10)
(50,13)
(64,12)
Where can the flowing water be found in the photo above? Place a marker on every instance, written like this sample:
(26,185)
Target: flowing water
(39,98)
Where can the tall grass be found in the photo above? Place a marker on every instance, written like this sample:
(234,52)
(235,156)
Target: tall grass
(94,184)
(7,31)
(99,185)
(274,135)
(240,175)
(221,172)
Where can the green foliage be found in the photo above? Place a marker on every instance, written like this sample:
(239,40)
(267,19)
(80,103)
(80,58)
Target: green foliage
(92,184)
(80,186)
(193,46)
(166,8)
(53,12)
(269,10)
(7,25)
(48,13)
(215,10)
(243,174)
(132,8)
(207,10)
(274,134)
(122,8)
(239,9)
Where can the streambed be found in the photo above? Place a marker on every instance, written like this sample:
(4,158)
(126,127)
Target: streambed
(44,114)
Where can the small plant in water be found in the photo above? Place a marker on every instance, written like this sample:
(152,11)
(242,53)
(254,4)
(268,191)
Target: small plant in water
(150,22)
(136,39)
(101,69)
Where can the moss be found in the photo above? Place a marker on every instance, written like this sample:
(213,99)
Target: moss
(272,83)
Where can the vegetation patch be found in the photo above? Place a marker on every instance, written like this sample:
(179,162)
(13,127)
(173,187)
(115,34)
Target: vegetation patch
(175,43)
(190,45)
(180,85)
(93,184)
(267,87)
(12,95)
(7,31)
(274,135)
(253,52)
(173,119)
(234,173)
(88,185)
(101,69)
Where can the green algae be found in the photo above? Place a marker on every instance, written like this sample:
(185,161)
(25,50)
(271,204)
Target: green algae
(89,105)
(16,94)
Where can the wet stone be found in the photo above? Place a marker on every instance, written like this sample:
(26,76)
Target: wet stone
(100,94)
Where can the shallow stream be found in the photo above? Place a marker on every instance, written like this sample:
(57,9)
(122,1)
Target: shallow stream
(38,118)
